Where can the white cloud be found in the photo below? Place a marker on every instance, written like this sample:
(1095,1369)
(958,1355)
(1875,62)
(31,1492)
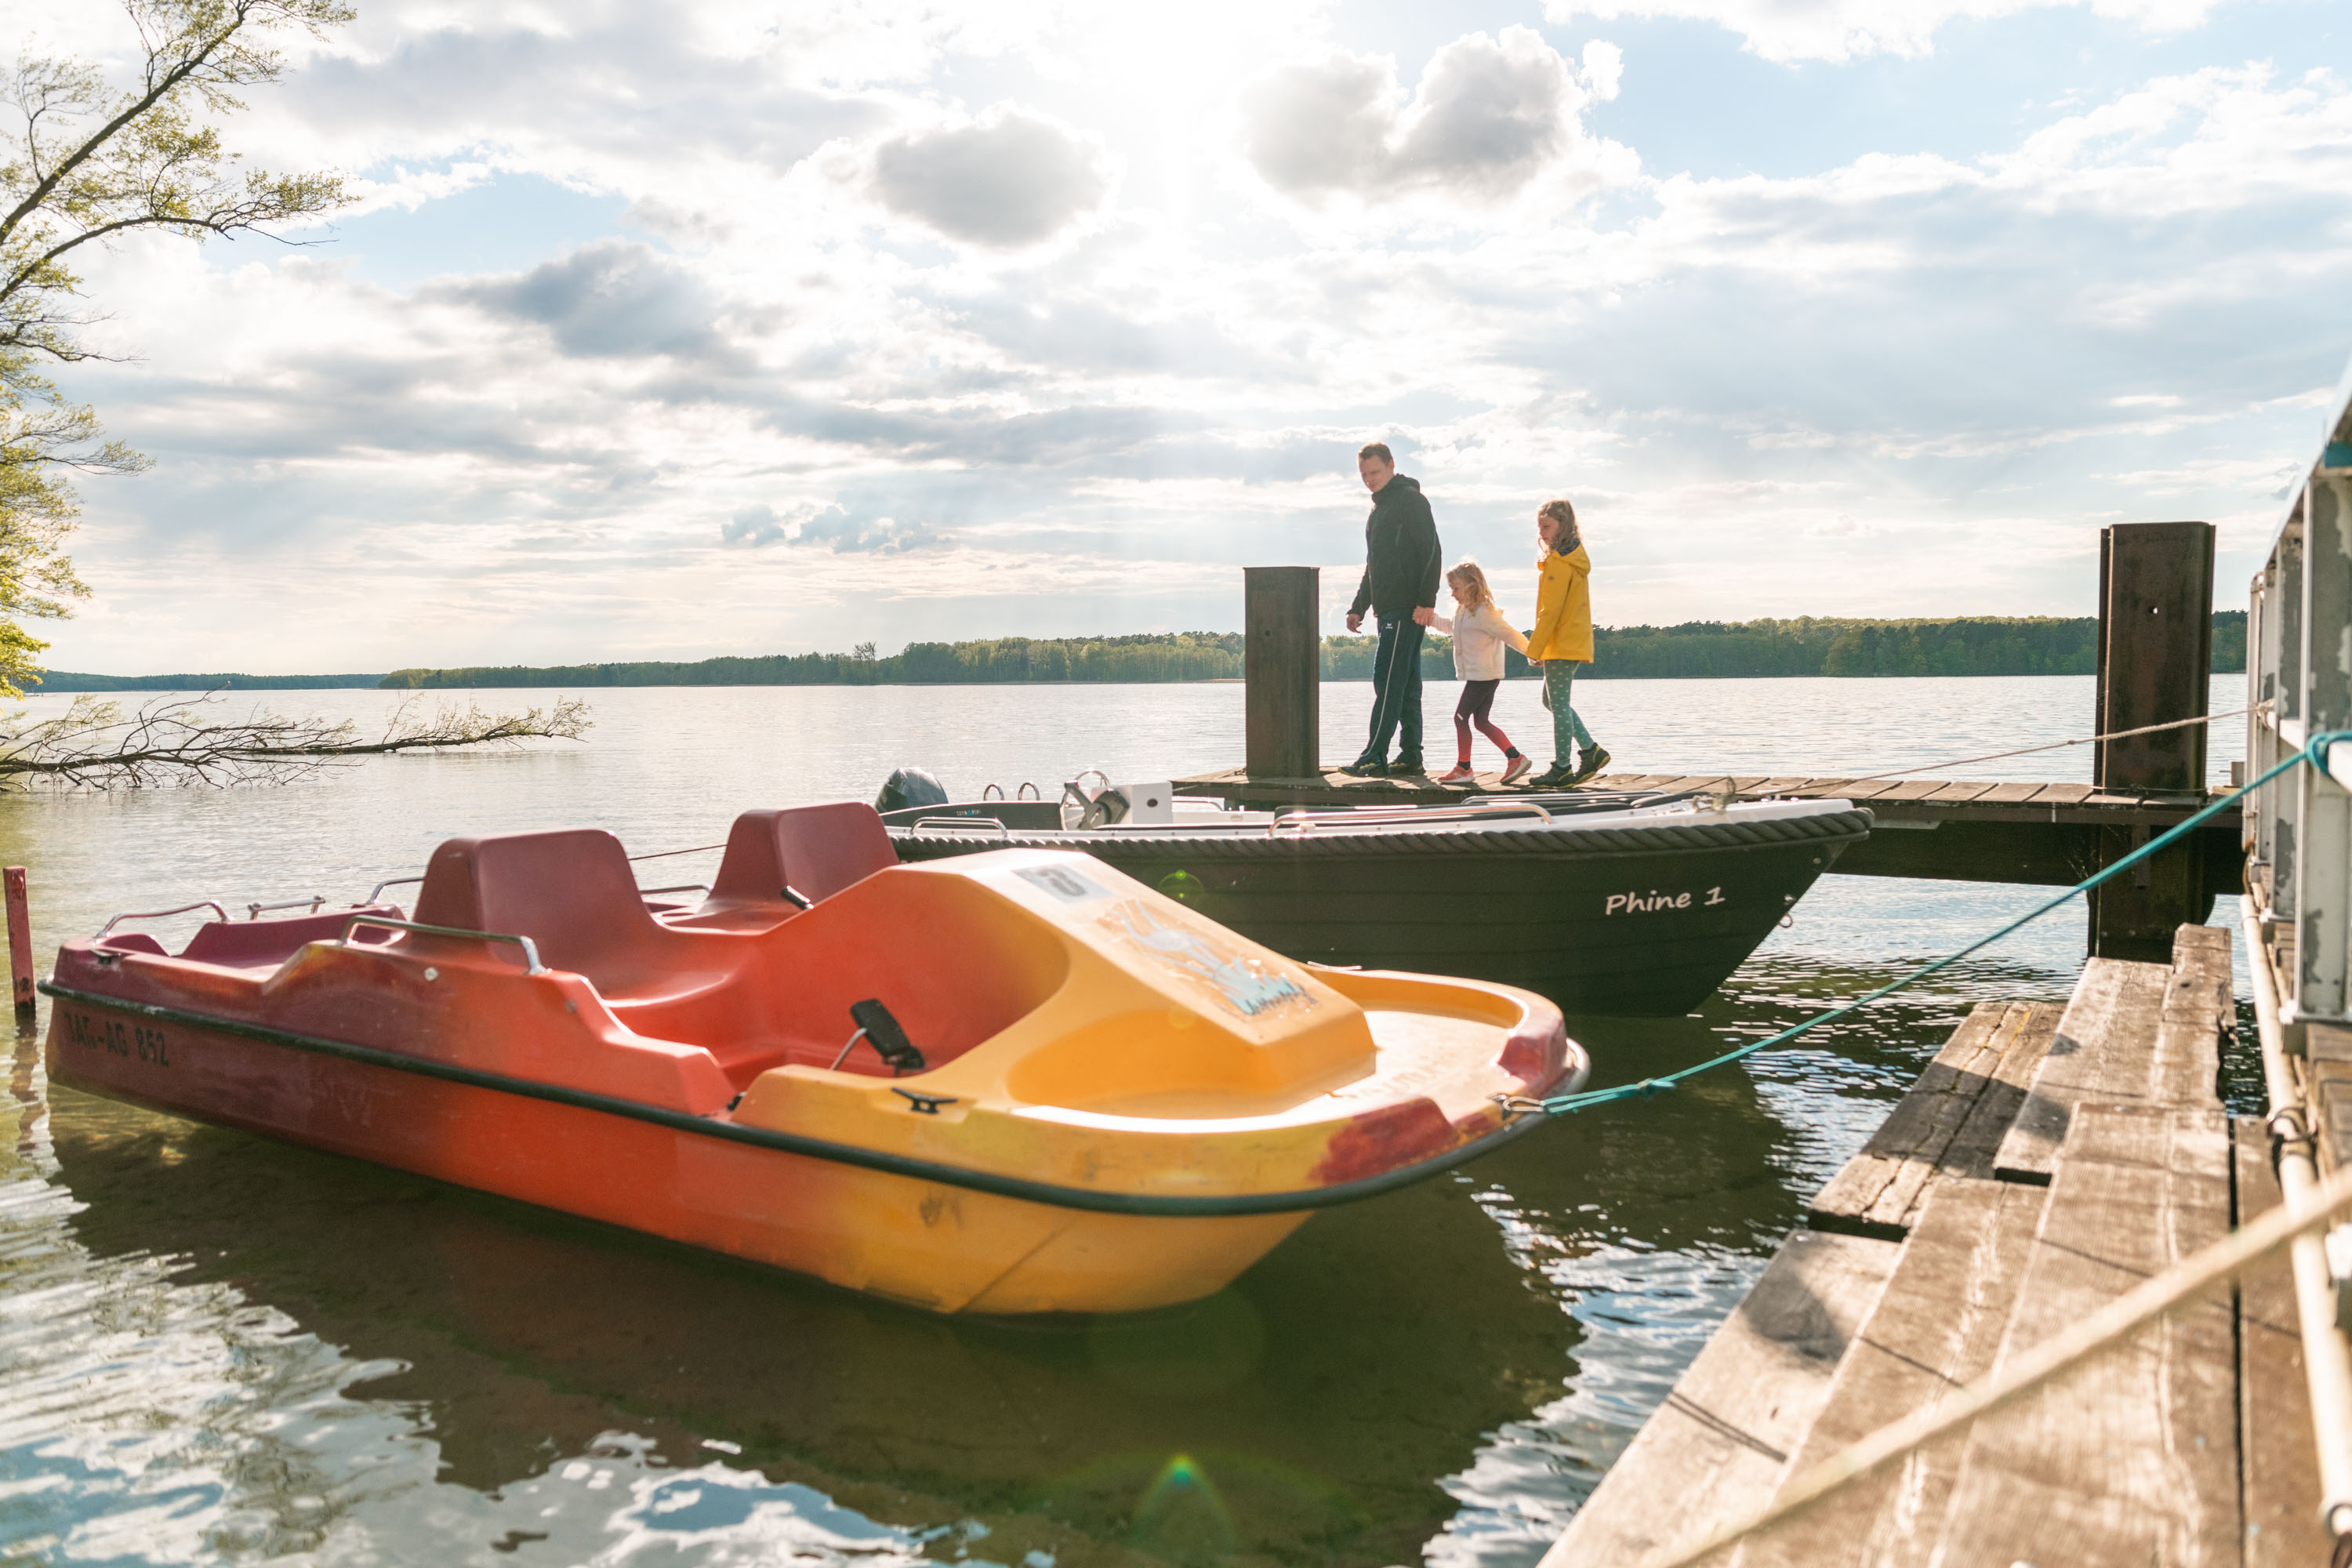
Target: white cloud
(1849,29)
(1010,178)
(1488,116)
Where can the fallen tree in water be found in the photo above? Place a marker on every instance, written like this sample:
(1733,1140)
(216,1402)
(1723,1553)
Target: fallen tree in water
(96,744)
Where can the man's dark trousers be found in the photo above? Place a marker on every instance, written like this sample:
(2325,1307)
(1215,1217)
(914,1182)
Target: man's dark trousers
(1396,691)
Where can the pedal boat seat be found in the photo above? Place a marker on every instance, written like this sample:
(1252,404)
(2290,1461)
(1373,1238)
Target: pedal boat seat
(815,851)
(571,891)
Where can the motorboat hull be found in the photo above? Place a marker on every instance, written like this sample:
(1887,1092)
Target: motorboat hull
(1643,920)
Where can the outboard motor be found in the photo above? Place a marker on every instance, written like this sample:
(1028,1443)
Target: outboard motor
(910,786)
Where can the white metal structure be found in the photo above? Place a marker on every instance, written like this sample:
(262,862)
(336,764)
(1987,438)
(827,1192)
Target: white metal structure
(2298,917)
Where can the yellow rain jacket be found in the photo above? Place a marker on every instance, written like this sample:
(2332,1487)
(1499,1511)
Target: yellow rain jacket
(1563,608)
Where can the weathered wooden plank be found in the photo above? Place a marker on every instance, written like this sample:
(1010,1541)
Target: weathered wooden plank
(1937,1326)
(2009,794)
(2061,794)
(1948,1124)
(2116,1008)
(1958,790)
(1719,1443)
(2131,1457)
(2281,1477)
(2200,1008)
(1911,789)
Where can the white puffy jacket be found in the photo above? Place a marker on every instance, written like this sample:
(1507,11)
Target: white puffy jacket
(1479,638)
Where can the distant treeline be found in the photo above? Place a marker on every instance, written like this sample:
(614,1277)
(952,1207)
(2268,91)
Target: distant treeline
(1977,644)
(1982,645)
(67,680)
(1174,656)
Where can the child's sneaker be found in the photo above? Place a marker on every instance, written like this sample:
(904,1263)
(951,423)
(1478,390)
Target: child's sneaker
(1517,768)
(1588,765)
(1459,773)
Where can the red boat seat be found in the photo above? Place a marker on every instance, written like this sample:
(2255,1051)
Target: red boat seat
(815,850)
(572,893)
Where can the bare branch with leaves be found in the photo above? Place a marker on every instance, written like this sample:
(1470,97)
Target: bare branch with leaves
(97,745)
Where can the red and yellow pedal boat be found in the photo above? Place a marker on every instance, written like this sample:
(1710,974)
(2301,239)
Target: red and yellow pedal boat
(1011,1082)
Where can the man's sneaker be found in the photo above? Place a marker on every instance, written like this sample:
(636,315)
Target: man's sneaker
(1459,773)
(1371,768)
(1553,777)
(1589,764)
(1404,767)
(1517,769)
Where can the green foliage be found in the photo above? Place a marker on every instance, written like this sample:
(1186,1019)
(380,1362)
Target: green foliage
(1977,644)
(88,167)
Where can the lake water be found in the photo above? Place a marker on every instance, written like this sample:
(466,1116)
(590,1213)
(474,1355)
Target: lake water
(216,1349)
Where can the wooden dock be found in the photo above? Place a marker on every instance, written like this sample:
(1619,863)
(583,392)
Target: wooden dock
(2047,1160)
(1965,830)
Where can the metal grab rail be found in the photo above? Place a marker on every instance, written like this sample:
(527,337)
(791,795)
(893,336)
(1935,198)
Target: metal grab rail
(665,854)
(375,892)
(212,904)
(2326,1359)
(529,948)
(1303,820)
(255,911)
(681,887)
(962,822)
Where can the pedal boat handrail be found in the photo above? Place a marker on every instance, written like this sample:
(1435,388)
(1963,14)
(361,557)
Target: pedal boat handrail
(212,904)
(958,823)
(529,948)
(1303,820)
(1514,1123)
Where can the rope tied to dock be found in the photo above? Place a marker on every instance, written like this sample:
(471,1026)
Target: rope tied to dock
(2062,745)
(2314,752)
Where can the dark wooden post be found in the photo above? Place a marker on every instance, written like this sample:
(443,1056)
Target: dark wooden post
(20,942)
(2155,664)
(1281,617)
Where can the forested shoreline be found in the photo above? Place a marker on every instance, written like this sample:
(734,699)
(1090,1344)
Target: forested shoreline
(1817,646)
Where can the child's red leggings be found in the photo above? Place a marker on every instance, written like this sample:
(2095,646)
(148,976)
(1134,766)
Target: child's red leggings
(1477,701)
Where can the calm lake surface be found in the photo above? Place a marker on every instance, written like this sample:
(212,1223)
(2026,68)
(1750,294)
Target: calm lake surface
(217,1349)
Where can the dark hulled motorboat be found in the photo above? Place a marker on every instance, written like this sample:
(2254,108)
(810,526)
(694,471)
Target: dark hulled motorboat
(1606,903)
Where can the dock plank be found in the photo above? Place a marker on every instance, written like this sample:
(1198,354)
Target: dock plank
(2009,794)
(2281,1475)
(2115,1004)
(1938,1325)
(1950,1124)
(2131,1457)
(1719,1443)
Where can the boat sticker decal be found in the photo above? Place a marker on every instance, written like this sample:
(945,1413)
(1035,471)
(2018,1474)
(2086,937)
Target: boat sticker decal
(1062,882)
(1247,983)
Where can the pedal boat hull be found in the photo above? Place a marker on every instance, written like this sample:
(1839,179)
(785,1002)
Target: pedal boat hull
(1148,1106)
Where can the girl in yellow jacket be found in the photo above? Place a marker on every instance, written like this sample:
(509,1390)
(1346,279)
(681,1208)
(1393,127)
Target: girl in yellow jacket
(1561,642)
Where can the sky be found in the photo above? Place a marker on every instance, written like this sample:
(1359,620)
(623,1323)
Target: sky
(669,331)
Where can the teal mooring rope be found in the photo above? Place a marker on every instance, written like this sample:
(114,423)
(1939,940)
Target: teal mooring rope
(1562,1104)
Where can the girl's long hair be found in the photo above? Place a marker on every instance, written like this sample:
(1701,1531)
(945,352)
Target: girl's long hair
(1468,572)
(1566,540)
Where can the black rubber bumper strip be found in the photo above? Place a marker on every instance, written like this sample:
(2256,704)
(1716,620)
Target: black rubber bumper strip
(1150,1204)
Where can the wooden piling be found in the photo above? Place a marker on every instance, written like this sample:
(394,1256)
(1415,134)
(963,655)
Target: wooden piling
(20,943)
(2155,658)
(1282,663)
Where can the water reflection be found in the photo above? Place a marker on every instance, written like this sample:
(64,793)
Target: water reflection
(216,1349)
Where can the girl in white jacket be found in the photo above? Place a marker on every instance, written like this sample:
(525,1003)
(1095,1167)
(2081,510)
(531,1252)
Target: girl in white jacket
(1480,634)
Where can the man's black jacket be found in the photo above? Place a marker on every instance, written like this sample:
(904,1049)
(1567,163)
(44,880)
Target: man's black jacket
(1400,552)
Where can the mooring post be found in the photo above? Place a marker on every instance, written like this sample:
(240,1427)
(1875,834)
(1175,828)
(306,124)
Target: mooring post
(20,943)
(1282,663)
(2155,662)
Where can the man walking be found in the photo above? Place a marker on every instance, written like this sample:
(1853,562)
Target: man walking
(1399,587)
